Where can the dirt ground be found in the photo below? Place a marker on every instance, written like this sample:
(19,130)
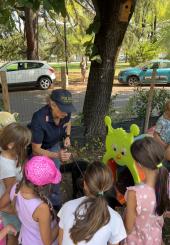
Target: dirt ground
(76,85)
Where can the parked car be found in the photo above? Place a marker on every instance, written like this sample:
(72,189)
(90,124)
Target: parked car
(142,74)
(29,72)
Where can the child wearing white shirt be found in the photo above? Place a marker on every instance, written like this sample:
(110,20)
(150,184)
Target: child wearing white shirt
(88,220)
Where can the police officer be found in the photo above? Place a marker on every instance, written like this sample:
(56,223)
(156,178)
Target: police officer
(51,125)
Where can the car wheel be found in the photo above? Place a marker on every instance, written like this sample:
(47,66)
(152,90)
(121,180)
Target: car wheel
(44,83)
(133,81)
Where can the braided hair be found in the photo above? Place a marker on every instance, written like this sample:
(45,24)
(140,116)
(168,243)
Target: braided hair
(39,191)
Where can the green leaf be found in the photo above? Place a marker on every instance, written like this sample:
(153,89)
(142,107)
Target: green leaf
(96,58)
(94,27)
(59,6)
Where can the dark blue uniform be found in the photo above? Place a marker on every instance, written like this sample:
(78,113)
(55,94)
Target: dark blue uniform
(45,131)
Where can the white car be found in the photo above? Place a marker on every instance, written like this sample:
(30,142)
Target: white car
(29,72)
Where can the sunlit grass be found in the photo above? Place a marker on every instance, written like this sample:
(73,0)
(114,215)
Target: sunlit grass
(75,67)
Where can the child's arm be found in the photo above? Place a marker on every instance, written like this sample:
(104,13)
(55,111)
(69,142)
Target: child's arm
(5,199)
(158,138)
(7,229)
(43,216)
(130,213)
(60,236)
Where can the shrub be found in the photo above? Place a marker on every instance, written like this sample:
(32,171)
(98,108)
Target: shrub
(137,104)
(142,52)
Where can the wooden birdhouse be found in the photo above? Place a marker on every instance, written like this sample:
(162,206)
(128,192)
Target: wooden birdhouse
(124,11)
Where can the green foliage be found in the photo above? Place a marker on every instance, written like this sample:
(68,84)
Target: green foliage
(165,32)
(142,52)
(78,120)
(33,4)
(97,58)
(12,47)
(149,24)
(92,150)
(138,102)
(94,26)
(57,5)
(91,49)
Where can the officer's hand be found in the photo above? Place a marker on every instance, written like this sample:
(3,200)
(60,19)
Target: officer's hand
(67,142)
(64,155)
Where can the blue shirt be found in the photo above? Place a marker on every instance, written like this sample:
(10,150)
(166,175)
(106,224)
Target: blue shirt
(163,129)
(44,130)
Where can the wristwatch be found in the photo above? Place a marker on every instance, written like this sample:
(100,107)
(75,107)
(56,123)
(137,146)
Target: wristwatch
(67,135)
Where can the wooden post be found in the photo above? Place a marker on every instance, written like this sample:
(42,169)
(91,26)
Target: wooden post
(5,94)
(64,78)
(150,98)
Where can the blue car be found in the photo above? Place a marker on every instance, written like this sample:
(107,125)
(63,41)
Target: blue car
(142,74)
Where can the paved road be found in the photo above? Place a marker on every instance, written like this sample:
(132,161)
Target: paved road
(28,101)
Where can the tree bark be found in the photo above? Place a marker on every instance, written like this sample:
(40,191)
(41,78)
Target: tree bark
(99,87)
(31,33)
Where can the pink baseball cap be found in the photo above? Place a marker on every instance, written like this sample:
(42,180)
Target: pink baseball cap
(41,170)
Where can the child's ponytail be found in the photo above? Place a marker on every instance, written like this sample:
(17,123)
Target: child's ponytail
(92,213)
(18,186)
(97,215)
(161,190)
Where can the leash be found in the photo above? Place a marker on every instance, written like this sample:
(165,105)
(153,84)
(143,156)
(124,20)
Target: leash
(75,161)
(77,165)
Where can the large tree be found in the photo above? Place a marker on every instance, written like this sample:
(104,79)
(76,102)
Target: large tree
(112,27)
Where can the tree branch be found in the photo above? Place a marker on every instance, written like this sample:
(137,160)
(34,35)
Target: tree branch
(91,9)
(96,7)
(89,4)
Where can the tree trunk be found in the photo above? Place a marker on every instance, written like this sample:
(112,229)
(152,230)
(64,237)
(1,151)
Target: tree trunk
(99,88)
(31,33)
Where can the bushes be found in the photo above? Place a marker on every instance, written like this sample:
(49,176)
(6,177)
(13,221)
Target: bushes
(136,106)
(142,52)
(138,103)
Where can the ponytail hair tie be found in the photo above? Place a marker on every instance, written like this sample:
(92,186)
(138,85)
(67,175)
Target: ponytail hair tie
(160,165)
(100,193)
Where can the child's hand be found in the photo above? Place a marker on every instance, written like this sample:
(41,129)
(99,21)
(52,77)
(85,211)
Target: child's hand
(11,230)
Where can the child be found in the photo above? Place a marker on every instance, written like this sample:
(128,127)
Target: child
(34,210)
(162,133)
(83,67)
(162,130)
(88,220)
(147,202)
(14,140)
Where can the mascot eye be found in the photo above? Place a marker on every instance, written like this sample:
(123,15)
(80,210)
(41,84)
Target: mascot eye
(123,152)
(114,147)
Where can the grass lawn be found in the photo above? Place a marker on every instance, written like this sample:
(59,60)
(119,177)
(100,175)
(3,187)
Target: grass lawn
(75,66)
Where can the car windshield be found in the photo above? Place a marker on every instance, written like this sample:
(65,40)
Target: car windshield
(146,64)
(4,65)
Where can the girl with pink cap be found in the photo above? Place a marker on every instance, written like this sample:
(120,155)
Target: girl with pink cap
(35,212)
